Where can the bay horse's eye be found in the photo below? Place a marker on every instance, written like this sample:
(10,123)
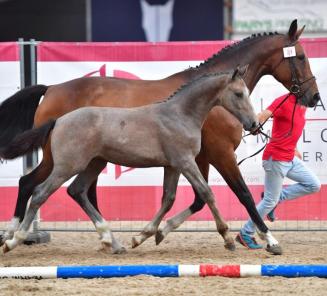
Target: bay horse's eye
(301,57)
(239,94)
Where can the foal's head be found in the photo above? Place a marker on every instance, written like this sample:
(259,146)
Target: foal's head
(235,98)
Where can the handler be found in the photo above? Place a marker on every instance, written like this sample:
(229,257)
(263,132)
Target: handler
(281,159)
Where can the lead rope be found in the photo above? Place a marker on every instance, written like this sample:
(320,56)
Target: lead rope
(260,128)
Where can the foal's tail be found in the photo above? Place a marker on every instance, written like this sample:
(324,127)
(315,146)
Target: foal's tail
(27,141)
(17,112)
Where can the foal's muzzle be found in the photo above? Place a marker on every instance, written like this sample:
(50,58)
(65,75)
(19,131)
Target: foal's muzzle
(253,127)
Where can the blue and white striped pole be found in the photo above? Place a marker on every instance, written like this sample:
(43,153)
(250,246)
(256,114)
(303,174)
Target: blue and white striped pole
(203,270)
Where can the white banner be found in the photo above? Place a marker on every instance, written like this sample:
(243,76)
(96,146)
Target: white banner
(313,143)
(254,16)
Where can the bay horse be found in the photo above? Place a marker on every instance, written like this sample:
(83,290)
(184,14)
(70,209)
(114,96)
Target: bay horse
(221,133)
(165,134)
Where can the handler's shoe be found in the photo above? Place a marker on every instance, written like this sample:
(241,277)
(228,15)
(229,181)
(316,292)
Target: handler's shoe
(247,241)
(271,215)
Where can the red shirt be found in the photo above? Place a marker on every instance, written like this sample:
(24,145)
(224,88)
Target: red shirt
(282,145)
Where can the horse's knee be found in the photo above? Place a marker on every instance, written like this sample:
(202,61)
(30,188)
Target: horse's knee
(170,198)
(38,197)
(206,195)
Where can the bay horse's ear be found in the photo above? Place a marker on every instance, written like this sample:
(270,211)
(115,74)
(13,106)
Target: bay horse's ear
(299,32)
(293,30)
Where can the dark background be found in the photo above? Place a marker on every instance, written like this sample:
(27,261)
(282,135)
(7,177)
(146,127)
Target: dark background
(111,20)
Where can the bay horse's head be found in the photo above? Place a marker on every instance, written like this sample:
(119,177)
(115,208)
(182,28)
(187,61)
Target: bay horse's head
(236,99)
(290,66)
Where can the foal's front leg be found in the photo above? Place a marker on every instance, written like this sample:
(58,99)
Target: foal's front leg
(171,177)
(193,175)
(175,221)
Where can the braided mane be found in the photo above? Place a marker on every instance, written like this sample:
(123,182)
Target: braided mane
(236,45)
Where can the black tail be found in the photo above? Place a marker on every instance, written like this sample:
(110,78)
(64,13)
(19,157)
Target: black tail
(17,112)
(27,141)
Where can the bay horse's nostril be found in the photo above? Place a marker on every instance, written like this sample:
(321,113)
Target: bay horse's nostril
(316,98)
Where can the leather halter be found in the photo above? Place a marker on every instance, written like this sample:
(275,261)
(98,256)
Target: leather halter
(295,88)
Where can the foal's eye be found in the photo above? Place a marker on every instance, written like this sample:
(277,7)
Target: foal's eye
(239,94)
(301,57)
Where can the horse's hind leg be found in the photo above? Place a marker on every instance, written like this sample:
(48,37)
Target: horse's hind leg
(92,193)
(193,175)
(197,205)
(27,185)
(78,191)
(171,177)
(40,195)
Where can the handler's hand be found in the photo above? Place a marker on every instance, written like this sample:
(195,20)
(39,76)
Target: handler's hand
(298,154)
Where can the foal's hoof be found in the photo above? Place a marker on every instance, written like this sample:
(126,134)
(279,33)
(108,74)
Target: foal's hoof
(120,251)
(106,246)
(159,237)
(274,249)
(5,248)
(135,242)
(230,245)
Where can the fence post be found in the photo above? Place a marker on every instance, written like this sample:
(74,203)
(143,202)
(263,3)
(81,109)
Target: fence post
(31,161)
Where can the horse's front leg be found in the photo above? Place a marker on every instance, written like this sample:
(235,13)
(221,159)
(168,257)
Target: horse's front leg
(193,175)
(228,168)
(171,177)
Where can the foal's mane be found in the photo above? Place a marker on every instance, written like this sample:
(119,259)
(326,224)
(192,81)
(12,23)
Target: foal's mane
(191,82)
(236,46)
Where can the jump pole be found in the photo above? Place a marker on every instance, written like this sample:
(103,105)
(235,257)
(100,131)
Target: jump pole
(201,270)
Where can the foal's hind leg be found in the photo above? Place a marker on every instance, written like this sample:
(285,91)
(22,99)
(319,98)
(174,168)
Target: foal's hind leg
(171,177)
(27,185)
(40,195)
(193,175)
(78,191)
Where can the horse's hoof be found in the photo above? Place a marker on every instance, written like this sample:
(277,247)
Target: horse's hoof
(135,242)
(5,248)
(159,237)
(120,251)
(106,246)
(230,246)
(274,249)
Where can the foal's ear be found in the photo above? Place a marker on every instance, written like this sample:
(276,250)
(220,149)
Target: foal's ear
(235,73)
(240,71)
(293,33)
